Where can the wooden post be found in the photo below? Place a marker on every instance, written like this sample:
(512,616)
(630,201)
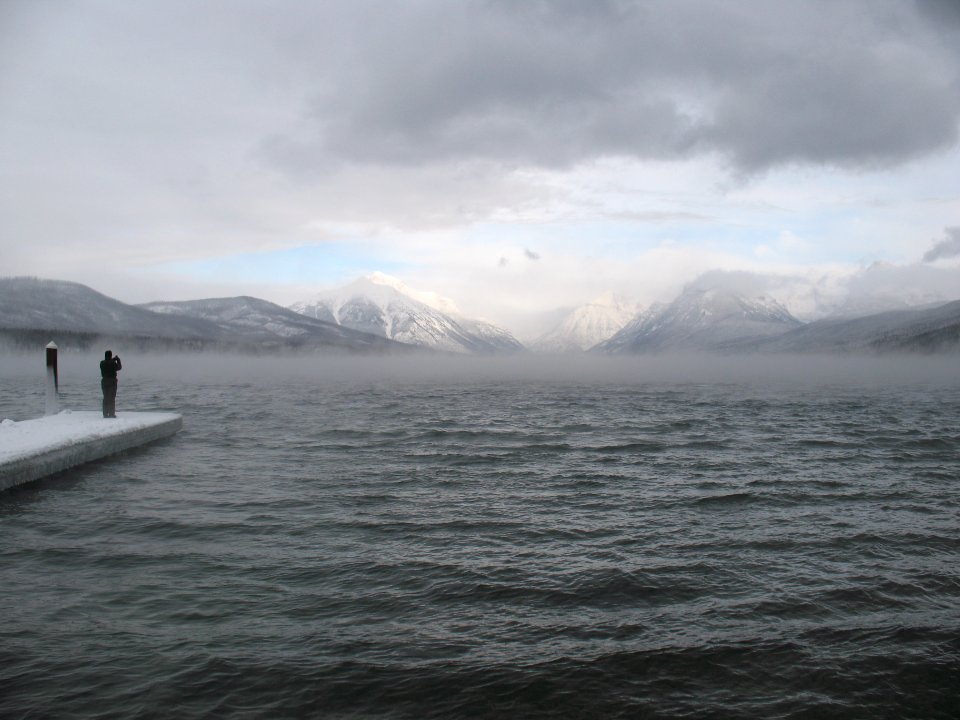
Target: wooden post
(53,380)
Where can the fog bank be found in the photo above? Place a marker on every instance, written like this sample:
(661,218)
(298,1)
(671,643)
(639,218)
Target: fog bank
(527,368)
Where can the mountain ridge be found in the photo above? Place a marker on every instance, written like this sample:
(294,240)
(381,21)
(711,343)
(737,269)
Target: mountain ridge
(260,321)
(700,320)
(588,325)
(930,329)
(34,310)
(76,311)
(381,305)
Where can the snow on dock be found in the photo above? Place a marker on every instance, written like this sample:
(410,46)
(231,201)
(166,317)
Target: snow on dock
(32,449)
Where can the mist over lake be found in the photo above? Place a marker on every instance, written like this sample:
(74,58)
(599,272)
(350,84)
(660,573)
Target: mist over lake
(469,537)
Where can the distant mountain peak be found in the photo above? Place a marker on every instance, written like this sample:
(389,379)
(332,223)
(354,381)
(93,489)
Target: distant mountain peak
(386,306)
(427,297)
(588,324)
(702,318)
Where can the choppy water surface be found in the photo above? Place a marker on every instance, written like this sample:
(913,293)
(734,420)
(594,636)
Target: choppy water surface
(345,540)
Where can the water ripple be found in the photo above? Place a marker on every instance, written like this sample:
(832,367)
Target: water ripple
(465,548)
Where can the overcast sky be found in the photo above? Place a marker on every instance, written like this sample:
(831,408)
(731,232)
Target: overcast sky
(514,156)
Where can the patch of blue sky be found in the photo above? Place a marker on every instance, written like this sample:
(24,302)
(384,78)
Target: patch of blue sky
(594,237)
(328,263)
(830,234)
(625,239)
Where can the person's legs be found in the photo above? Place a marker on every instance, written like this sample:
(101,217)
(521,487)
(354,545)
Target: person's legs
(109,397)
(113,399)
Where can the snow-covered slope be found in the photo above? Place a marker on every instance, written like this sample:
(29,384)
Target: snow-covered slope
(384,306)
(250,319)
(916,330)
(701,319)
(32,303)
(588,325)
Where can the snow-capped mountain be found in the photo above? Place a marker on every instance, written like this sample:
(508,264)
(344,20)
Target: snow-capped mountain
(253,320)
(75,314)
(384,306)
(701,319)
(588,325)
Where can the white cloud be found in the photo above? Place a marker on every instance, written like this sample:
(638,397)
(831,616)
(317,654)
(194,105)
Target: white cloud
(948,247)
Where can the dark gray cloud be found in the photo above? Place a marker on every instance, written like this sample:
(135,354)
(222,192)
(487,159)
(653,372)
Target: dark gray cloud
(944,13)
(847,83)
(548,83)
(947,248)
(530,254)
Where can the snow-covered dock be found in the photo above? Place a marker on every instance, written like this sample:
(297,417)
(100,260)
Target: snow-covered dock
(32,449)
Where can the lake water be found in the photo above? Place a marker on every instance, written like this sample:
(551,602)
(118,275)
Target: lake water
(411,539)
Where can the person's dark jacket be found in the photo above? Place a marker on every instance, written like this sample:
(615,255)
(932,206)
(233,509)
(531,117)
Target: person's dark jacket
(108,368)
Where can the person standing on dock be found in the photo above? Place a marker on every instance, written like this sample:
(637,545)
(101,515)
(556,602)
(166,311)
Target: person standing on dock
(109,367)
